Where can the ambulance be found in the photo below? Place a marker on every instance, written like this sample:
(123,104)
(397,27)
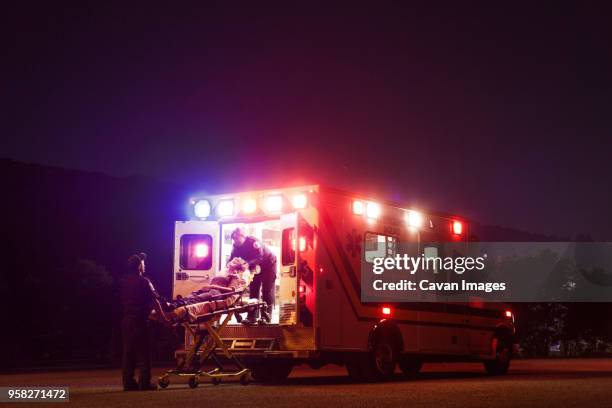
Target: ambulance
(322,237)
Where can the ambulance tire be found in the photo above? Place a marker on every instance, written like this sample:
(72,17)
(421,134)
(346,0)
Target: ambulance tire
(503,355)
(376,365)
(410,366)
(271,371)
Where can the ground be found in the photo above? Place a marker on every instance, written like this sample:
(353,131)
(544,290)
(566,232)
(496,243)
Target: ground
(530,383)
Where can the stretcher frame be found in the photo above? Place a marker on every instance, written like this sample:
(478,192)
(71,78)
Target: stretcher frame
(206,334)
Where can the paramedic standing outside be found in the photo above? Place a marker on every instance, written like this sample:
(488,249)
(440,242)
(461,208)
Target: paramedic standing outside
(255,253)
(138,297)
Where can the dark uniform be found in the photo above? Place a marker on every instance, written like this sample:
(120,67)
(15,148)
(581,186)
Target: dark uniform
(137,297)
(255,253)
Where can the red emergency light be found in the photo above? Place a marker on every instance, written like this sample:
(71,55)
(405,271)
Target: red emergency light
(386,311)
(457,227)
(508,314)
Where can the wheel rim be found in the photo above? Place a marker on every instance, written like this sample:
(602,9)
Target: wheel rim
(504,356)
(383,358)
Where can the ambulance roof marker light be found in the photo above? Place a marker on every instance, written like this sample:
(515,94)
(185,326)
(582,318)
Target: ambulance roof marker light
(274,203)
(414,219)
(201,208)
(225,208)
(358,207)
(249,205)
(372,210)
(299,201)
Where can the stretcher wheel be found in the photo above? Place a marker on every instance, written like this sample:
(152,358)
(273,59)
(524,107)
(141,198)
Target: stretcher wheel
(215,381)
(163,382)
(193,382)
(245,379)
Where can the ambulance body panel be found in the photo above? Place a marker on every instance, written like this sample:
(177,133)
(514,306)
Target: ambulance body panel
(320,237)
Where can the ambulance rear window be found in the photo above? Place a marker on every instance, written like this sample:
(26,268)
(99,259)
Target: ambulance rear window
(196,251)
(288,246)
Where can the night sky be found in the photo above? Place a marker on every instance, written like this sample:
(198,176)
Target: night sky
(501,113)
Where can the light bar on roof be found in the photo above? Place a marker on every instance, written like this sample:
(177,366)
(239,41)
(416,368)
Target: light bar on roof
(299,201)
(372,210)
(274,203)
(249,205)
(225,208)
(201,208)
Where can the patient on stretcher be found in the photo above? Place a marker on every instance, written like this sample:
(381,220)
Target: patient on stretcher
(207,299)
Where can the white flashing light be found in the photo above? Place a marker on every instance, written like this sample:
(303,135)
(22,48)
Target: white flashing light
(414,219)
(274,203)
(249,205)
(201,250)
(225,208)
(201,208)
(372,210)
(358,207)
(299,201)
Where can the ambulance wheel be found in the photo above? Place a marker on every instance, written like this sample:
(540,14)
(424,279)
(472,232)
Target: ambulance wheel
(193,382)
(376,365)
(383,360)
(501,363)
(215,381)
(410,366)
(271,371)
(163,382)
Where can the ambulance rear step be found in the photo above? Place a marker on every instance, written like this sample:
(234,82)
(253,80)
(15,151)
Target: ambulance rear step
(255,344)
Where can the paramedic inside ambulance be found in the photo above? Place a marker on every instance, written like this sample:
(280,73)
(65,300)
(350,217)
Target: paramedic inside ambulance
(256,254)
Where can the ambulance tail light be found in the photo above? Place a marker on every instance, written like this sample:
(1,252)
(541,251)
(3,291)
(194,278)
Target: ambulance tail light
(274,204)
(225,208)
(457,227)
(386,311)
(302,289)
(201,208)
(299,201)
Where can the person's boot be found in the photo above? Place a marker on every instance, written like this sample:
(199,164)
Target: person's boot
(130,386)
(250,320)
(148,387)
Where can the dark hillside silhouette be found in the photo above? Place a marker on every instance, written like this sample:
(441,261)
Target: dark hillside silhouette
(67,236)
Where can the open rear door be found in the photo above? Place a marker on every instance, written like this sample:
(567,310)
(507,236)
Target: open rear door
(288,282)
(196,249)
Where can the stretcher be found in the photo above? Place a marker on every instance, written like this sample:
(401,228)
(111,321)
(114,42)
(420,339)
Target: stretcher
(204,321)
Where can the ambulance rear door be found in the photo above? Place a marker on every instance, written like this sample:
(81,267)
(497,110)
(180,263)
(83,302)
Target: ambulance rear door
(288,280)
(196,246)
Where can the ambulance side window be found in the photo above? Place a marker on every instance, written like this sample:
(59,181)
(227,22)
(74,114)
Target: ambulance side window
(379,246)
(196,251)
